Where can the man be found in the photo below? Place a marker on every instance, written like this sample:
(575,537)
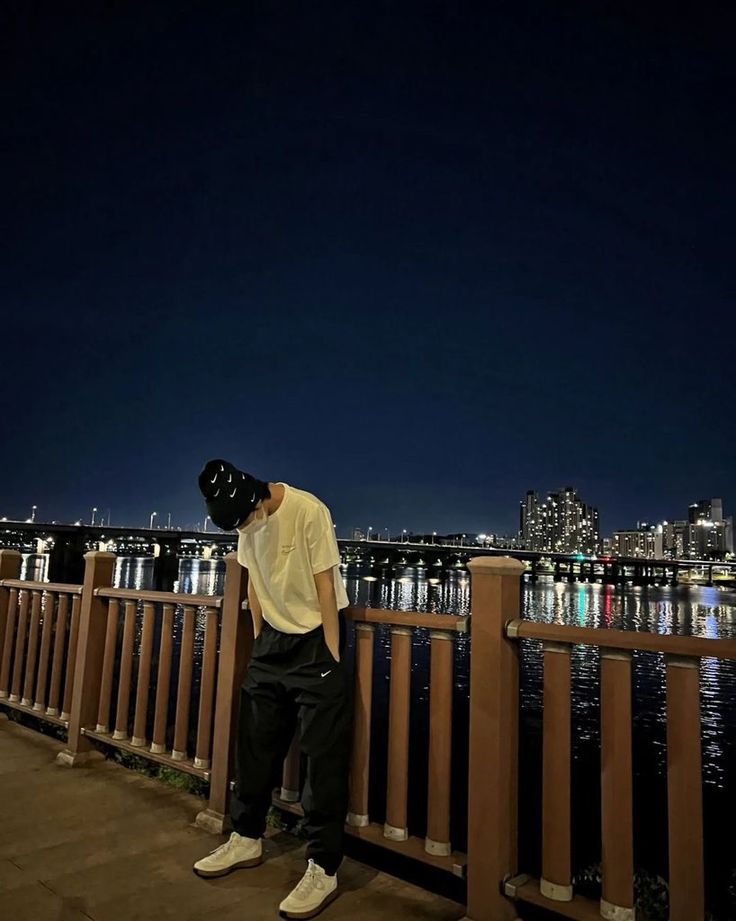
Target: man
(296,676)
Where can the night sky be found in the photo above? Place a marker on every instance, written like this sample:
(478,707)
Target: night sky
(413,259)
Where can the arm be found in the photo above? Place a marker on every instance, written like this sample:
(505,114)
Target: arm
(255,608)
(324,581)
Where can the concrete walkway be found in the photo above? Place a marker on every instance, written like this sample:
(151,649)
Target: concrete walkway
(107,844)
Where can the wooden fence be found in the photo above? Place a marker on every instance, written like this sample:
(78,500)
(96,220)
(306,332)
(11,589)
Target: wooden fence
(103,663)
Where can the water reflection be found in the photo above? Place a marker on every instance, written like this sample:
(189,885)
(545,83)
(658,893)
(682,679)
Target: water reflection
(34,567)
(134,572)
(201,577)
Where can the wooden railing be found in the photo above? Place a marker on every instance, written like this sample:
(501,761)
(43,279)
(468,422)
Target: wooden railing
(148,728)
(83,657)
(100,662)
(492,844)
(39,625)
(115,650)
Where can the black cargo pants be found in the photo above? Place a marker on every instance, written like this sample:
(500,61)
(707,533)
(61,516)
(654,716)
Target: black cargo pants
(293,681)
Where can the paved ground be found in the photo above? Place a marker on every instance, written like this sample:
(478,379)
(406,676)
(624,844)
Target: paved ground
(107,844)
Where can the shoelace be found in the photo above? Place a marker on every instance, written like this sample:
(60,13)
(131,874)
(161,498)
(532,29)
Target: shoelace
(224,848)
(309,881)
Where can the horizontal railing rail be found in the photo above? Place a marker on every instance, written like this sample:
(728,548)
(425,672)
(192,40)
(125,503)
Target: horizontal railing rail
(58,587)
(127,594)
(456,622)
(625,640)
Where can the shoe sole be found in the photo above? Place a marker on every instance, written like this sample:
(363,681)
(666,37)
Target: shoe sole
(302,916)
(241,865)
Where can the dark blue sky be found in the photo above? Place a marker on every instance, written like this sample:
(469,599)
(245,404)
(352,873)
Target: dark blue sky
(415,260)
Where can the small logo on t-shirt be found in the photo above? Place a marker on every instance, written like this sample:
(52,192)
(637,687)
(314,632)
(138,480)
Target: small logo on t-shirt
(323,674)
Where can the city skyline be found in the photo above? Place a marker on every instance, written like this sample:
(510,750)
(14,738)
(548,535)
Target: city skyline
(411,269)
(576,528)
(704,533)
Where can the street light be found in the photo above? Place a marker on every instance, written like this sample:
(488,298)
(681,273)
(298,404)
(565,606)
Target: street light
(33,512)
(434,537)
(403,539)
(94,513)
(370,528)
(168,522)
(388,536)
(150,524)
(206,519)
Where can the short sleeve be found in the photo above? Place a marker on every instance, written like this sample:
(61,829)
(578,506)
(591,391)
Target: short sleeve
(321,541)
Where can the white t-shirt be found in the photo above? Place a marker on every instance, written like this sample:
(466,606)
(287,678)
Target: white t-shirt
(282,558)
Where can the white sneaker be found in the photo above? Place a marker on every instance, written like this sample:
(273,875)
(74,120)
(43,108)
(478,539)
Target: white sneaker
(238,852)
(314,891)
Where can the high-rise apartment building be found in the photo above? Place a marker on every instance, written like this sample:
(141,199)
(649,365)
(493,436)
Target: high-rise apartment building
(709,533)
(675,539)
(561,523)
(646,541)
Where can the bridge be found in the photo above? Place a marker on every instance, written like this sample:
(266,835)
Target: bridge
(563,567)
(66,545)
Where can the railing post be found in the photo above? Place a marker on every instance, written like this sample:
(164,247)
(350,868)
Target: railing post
(556,880)
(360,758)
(685,790)
(98,573)
(397,783)
(10,563)
(437,840)
(236,643)
(494,727)
(617,811)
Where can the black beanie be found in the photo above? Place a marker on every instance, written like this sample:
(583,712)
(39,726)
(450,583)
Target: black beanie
(230,494)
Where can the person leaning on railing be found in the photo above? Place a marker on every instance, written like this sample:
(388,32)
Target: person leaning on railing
(296,675)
